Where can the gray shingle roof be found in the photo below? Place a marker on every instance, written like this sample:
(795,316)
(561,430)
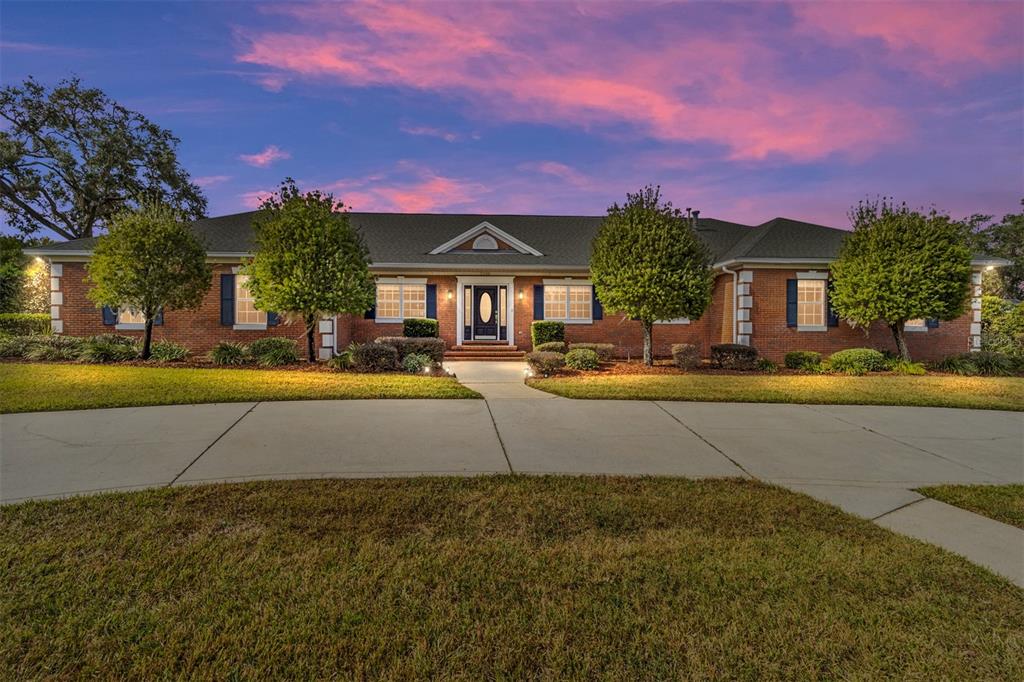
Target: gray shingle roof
(564,240)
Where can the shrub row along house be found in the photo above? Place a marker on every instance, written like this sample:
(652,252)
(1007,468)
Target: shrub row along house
(486,278)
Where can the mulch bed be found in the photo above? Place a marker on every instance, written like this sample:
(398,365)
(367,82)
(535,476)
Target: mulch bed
(204,364)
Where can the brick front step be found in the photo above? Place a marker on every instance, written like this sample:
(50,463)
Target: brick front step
(484,351)
(481,357)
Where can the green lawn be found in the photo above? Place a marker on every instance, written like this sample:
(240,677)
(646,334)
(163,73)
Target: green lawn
(488,578)
(1000,502)
(993,393)
(38,387)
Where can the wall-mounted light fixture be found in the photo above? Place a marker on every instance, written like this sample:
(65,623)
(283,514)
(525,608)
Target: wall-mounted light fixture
(520,294)
(449,294)
(990,268)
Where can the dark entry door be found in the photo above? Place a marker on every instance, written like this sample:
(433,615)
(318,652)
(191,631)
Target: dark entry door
(485,312)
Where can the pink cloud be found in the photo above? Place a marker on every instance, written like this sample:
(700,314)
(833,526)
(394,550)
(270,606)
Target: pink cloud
(266,157)
(414,190)
(211,180)
(944,41)
(252,200)
(559,170)
(515,63)
(430,132)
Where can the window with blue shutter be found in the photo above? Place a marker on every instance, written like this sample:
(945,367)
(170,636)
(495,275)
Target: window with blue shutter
(432,301)
(791,300)
(159,318)
(273,319)
(109,315)
(597,311)
(931,323)
(538,301)
(227,300)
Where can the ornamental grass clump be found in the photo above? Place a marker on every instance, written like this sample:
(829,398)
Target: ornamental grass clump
(415,363)
(108,348)
(273,351)
(168,351)
(54,348)
(229,353)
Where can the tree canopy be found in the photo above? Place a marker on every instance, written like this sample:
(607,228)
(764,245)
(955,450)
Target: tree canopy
(1004,239)
(149,261)
(899,265)
(309,261)
(648,263)
(70,158)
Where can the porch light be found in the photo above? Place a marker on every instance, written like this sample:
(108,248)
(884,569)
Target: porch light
(991,267)
(520,294)
(449,294)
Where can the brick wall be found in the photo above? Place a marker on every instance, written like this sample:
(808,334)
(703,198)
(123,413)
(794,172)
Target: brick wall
(774,339)
(198,329)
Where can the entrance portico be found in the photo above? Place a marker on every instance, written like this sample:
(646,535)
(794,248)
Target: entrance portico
(485,309)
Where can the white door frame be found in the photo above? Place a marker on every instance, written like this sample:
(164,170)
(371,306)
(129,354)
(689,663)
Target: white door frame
(460,304)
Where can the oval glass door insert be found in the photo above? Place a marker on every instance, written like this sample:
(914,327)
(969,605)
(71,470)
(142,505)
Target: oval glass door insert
(485,307)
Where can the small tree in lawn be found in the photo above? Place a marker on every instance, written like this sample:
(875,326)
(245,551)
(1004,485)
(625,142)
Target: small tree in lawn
(309,261)
(649,264)
(148,261)
(899,265)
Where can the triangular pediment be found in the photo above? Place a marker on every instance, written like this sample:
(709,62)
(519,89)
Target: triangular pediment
(485,238)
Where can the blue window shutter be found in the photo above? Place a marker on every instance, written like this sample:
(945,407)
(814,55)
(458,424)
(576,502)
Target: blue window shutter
(371,314)
(159,319)
(931,323)
(790,302)
(432,301)
(227,300)
(109,315)
(597,311)
(538,301)
(273,319)
(833,318)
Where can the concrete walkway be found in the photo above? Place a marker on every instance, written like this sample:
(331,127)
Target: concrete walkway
(866,460)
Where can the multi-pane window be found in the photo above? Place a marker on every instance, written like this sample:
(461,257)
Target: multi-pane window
(399,301)
(245,307)
(570,303)
(915,324)
(810,309)
(129,316)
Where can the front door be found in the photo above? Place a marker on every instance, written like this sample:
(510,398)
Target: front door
(485,313)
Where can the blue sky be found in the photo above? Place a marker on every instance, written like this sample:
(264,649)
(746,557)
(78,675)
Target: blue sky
(747,111)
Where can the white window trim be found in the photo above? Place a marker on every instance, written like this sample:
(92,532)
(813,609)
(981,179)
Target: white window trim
(678,320)
(244,327)
(520,246)
(814,275)
(569,282)
(400,282)
(129,326)
(907,327)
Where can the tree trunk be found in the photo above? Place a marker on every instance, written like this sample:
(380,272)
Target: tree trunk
(310,329)
(901,342)
(147,338)
(648,344)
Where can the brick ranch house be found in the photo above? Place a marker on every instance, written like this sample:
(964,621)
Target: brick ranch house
(485,278)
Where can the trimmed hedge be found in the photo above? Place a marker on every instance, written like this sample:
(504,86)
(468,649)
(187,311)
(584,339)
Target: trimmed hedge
(545,331)
(432,347)
(733,356)
(545,362)
(604,350)
(374,357)
(685,355)
(551,347)
(582,358)
(857,361)
(24,324)
(419,327)
(803,359)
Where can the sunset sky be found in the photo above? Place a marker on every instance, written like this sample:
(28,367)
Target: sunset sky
(746,111)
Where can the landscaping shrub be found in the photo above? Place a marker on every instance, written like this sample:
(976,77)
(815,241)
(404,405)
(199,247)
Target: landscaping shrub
(273,351)
(733,356)
(803,359)
(432,347)
(767,366)
(907,368)
(992,364)
(16,346)
(419,327)
(24,324)
(857,361)
(341,361)
(604,350)
(545,362)
(685,355)
(582,358)
(108,348)
(414,363)
(545,331)
(118,339)
(551,347)
(374,357)
(229,353)
(54,348)
(960,363)
(168,351)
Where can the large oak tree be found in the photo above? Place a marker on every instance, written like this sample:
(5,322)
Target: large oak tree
(71,158)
